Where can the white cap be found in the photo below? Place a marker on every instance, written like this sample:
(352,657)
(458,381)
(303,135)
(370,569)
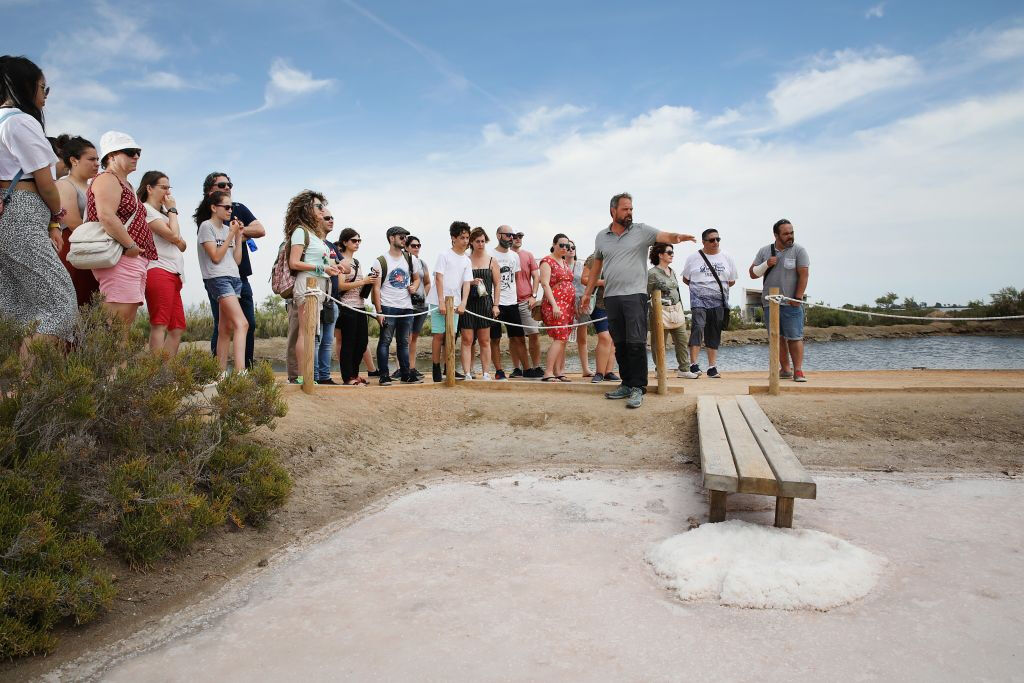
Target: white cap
(115,141)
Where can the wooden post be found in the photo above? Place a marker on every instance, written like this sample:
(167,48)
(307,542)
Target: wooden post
(310,319)
(449,340)
(716,508)
(784,513)
(658,341)
(773,344)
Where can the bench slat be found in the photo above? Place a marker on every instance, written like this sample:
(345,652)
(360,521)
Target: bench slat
(715,456)
(755,475)
(794,481)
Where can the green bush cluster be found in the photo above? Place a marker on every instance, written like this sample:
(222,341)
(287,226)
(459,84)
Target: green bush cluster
(106,448)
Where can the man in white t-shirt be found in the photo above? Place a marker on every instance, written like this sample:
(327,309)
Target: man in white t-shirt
(508,265)
(392,298)
(708,300)
(452,274)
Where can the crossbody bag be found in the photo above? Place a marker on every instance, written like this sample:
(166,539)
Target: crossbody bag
(92,247)
(726,311)
(672,315)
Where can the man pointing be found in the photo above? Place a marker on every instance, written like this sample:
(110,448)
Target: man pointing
(620,255)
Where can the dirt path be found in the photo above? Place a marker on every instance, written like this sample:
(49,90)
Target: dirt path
(350,447)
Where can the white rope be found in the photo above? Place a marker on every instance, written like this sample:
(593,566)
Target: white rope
(779,298)
(538,327)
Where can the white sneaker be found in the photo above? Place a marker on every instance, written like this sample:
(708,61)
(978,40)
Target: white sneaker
(485,377)
(686,374)
(469,376)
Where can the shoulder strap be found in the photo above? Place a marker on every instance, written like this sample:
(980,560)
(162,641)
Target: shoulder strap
(715,274)
(774,252)
(17,176)
(408,259)
(383,267)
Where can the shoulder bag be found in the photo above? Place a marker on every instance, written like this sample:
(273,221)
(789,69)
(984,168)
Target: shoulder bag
(726,311)
(92,247)
(282,277)
(672,315)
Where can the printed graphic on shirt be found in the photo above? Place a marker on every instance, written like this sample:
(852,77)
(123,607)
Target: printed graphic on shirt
(508,277)
(398,278)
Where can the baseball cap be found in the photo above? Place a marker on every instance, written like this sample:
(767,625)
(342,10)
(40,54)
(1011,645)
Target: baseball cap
(397,230)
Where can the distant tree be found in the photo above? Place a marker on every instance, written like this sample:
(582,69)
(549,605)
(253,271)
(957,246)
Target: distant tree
(937,305)
(910,303)
(887,300)
(1007,301)
(975,303)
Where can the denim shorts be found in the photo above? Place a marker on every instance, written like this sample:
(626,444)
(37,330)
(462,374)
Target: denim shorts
(222,286)
(599,325)
(791,321)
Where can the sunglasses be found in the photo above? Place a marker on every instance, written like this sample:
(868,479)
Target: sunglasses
(328,218)
(46,91)
(414,246)
(132,152)
(572,248)
(357,240)
(223,206)
(669,252)
(518,235)
(713,239)
(223,185)
(562,245)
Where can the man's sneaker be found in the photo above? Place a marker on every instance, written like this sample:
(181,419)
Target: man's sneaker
(713,373)
(533,373)
(785,374)
(622,392)
(416,374)
(516,373)
(373,373)
(411,379)
(329,380)
(459,375)
(538,372)
(636,398)
(597,378)
(798,376)
(385,380)
(436,371)
(499,375)
(612,377)
(485,377)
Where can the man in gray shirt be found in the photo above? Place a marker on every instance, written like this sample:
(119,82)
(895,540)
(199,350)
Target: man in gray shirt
(620,255)
(785,264)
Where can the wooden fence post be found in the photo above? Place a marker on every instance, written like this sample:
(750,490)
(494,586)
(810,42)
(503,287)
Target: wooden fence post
(310,319)
(449,340)
(773,344)
(658,341)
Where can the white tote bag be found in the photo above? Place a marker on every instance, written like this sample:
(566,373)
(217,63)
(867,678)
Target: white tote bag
(92,247)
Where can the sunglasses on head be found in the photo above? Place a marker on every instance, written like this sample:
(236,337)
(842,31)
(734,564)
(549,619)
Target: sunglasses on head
(224,185)
(713,239)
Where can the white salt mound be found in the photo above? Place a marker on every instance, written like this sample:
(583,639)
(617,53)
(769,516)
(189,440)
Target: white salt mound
(749,565)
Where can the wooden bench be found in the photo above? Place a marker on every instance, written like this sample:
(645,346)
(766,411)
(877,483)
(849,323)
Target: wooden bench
(741,452)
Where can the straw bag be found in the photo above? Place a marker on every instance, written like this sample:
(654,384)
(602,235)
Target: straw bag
(92,247)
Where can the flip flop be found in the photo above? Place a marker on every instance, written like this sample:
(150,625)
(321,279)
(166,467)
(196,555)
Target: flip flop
(552,378)
(563,378)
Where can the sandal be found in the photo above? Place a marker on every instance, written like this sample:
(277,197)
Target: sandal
(588,374)
(552,378)
(563,378)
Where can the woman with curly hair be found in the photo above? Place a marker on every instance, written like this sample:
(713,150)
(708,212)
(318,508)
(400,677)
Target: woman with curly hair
(220,252)
(304,232)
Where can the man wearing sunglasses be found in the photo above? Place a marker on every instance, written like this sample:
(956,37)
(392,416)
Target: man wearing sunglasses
(709,293)
(620,255)
(252,229)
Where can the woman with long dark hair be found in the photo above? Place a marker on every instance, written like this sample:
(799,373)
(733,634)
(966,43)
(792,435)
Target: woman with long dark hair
(559,307)
(165,275)
(352,323)
(35,289)
(220,252)
(483,300)
(83,163)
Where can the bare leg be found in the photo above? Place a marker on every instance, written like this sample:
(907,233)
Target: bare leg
(435,348)
(796,350)
(604,352)
(517,349)
(467,352)
(157,338)
(535,350)
(551,366)
(484,338)
(496,353)
(223,340)
(784,354)
(125,312)
(368,360)
(712,356)
(694,354)
(584,352)
(173,341)
(237,326)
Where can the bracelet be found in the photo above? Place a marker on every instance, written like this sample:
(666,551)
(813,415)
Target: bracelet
(318,271)
(54,225)
(60,214)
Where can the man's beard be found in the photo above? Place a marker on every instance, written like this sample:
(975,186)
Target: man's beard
(627,221)
(505,244)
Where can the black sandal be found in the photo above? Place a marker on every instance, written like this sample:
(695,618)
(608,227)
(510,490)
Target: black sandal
(552,378)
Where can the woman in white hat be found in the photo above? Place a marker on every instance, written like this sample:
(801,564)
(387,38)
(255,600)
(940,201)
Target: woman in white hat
(35,289)
(111,200)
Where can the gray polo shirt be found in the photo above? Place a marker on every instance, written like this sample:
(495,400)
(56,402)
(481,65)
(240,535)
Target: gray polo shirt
(783,275)
(625,258)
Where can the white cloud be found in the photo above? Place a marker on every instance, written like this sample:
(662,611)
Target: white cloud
(118,37)
(88,93)
(726,118)
(286,83)
(161,80)
(1005,45)
(837,80)
(876,11)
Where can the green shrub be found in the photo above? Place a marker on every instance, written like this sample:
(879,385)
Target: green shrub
(108,448)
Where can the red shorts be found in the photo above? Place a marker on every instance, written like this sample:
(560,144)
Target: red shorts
(163,299)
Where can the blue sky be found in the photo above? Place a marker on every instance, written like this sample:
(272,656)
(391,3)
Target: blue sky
(889,133)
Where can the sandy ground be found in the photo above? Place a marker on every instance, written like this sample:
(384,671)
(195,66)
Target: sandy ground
(543,578)
(348,448)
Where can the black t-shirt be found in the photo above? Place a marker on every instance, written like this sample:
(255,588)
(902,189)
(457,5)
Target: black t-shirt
(335,253)
(242,213)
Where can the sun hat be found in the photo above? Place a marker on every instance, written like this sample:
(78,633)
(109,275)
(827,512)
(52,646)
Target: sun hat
(397,230)
(114,141)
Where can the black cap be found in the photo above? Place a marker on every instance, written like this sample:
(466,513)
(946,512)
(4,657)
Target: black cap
(397,230)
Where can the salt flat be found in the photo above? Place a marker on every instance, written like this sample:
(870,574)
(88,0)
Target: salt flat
(544,577)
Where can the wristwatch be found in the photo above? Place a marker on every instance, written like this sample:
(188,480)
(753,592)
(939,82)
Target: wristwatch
(172,210)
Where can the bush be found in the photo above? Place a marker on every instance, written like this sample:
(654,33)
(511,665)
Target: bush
(107,448)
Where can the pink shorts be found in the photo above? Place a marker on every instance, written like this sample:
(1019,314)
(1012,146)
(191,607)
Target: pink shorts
(125,283)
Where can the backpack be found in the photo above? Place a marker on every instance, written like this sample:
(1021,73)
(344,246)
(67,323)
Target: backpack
(282,278)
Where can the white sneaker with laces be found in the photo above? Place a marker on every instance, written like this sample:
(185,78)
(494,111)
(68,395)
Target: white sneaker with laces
(485,377)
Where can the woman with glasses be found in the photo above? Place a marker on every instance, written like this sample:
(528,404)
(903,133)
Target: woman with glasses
(419,297)
(483,300)
(220,252)
(112,201)
(165,275)
(351,322)
(559,307)
(83,163)
(662,279)
(35,289)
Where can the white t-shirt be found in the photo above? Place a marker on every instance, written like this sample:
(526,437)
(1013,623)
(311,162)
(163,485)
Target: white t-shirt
(168,256)
(208,232)
(23,146)
(455,270)
(704,292)
(394,288)
(508,266)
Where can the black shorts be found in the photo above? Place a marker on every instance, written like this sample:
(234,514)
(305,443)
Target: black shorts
(508,314)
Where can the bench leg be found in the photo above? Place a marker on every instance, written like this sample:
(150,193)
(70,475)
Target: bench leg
(717,511)
(784,513)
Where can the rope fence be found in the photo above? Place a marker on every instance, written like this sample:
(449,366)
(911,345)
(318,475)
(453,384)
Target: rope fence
(779,299)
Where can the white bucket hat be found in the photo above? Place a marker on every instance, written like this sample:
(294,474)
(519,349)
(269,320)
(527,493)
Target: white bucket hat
(115,141)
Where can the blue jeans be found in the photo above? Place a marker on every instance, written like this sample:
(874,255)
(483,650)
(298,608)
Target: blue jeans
(393,328)
(325,346)
(249,310)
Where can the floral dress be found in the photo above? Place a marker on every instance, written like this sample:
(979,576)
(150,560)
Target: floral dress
(565,294)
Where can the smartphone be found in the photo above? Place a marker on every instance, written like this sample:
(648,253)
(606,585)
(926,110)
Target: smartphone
(251,243)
